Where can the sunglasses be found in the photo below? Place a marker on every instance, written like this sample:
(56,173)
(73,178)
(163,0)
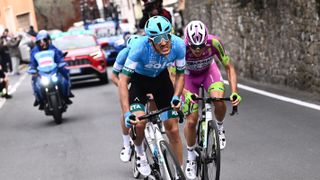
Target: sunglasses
(197,46)
(158,39)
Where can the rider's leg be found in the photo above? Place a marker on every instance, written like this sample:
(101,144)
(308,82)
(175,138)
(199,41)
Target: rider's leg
(126,149)
(172,131)
(217,90)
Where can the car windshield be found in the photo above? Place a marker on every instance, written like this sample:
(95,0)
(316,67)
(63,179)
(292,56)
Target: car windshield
(105,32)
(74,42)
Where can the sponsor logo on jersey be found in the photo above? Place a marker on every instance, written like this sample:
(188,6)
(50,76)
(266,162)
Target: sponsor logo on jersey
(156,65)
(197,65)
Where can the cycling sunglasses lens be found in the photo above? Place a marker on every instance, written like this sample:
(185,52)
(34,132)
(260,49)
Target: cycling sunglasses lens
(197,46)
(159,38)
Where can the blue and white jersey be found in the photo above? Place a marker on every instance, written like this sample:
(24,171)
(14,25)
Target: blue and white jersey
(120,60)
(45,60)
(143,58)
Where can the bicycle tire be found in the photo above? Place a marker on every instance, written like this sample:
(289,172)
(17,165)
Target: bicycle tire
(171,161)
(211,166)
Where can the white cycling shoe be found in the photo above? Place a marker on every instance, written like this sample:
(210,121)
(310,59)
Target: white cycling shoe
(125,154)
(222,138)
(191,169)
(143,165)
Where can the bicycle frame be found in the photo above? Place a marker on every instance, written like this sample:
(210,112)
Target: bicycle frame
(154,138)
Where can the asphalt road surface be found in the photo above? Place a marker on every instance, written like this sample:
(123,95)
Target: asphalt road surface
(268,140)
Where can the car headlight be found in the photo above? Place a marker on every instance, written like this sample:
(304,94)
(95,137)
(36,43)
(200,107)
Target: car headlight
(97,54)
(45,81)
(54,78)
(119,42)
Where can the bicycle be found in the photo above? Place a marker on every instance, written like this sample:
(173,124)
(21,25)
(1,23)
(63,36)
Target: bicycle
(163,162)
(208,145)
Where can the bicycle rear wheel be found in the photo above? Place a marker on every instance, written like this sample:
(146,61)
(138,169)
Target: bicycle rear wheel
(211,166)
(174,168)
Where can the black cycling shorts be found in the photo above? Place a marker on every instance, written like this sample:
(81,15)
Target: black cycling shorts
(160,87)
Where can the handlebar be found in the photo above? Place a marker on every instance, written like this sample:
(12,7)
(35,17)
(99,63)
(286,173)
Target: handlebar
(209,100)
(150,118)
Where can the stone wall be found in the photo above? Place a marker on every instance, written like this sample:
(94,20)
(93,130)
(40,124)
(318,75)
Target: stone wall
(273,41)
(57,14)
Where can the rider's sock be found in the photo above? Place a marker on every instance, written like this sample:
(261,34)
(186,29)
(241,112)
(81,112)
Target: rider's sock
(139,150)
(220,125)
(191,154)
(126,140)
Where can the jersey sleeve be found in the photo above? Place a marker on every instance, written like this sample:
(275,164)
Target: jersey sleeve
(180,62)
(135,55)
(120,60)
(221,52)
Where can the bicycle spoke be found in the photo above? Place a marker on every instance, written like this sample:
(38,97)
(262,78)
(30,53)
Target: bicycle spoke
(213,153)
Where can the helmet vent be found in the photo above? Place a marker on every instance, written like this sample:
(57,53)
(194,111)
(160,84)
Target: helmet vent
(147,24)
(167,28)
(153,32)
(159,26)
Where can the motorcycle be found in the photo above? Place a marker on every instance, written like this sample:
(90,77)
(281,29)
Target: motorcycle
(51,87)
(52,90)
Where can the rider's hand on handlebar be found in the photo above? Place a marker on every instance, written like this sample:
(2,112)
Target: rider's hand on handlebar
(235,99)
(130,119)
(175,103)
(188,98)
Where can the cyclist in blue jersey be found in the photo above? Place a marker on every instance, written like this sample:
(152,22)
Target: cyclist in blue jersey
(117,67)
(146,68)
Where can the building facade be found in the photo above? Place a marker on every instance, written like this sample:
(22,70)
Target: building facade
(17,15)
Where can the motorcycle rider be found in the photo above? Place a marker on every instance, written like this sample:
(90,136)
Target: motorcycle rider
(43,43)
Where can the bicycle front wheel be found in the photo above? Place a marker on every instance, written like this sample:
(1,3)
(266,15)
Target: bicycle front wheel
(211,165)
(173,166)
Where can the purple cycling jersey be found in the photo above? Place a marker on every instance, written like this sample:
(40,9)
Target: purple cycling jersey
(199,65)
(203,69)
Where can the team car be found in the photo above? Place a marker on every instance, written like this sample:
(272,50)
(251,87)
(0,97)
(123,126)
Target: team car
(85,57)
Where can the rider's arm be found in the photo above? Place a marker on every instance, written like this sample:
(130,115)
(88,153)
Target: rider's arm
(124,78)
(123,92)
(115,78)
(180,64)
(225,60)
(33,62)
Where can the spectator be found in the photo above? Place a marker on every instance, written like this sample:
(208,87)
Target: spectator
(14,51)
(6,60)
(153,8)
(32,32)
(4,81)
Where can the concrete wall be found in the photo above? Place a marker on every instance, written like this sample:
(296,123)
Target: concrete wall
(11,9)
(274,41)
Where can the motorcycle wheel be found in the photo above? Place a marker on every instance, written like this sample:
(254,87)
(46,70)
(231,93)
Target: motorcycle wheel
(56,112)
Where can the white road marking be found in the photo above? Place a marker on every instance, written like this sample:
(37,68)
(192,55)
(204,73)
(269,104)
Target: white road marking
(13,89)
(279,97)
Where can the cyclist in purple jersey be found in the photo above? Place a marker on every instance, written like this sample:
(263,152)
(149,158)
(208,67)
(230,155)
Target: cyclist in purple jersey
(202,69)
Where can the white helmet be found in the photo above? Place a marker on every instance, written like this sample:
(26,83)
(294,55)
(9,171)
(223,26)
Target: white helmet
(196,33)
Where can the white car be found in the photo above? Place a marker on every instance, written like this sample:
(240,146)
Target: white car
(26,43)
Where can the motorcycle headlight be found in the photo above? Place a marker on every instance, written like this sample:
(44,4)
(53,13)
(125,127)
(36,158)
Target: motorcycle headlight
(45,81)
(97,54)
(54,78)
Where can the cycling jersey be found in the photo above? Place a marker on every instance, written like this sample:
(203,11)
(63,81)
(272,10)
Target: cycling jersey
(198,65)
(120,60)
(203,69)
(144,60)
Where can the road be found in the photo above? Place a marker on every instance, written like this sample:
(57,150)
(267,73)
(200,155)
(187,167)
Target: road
(269,139)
